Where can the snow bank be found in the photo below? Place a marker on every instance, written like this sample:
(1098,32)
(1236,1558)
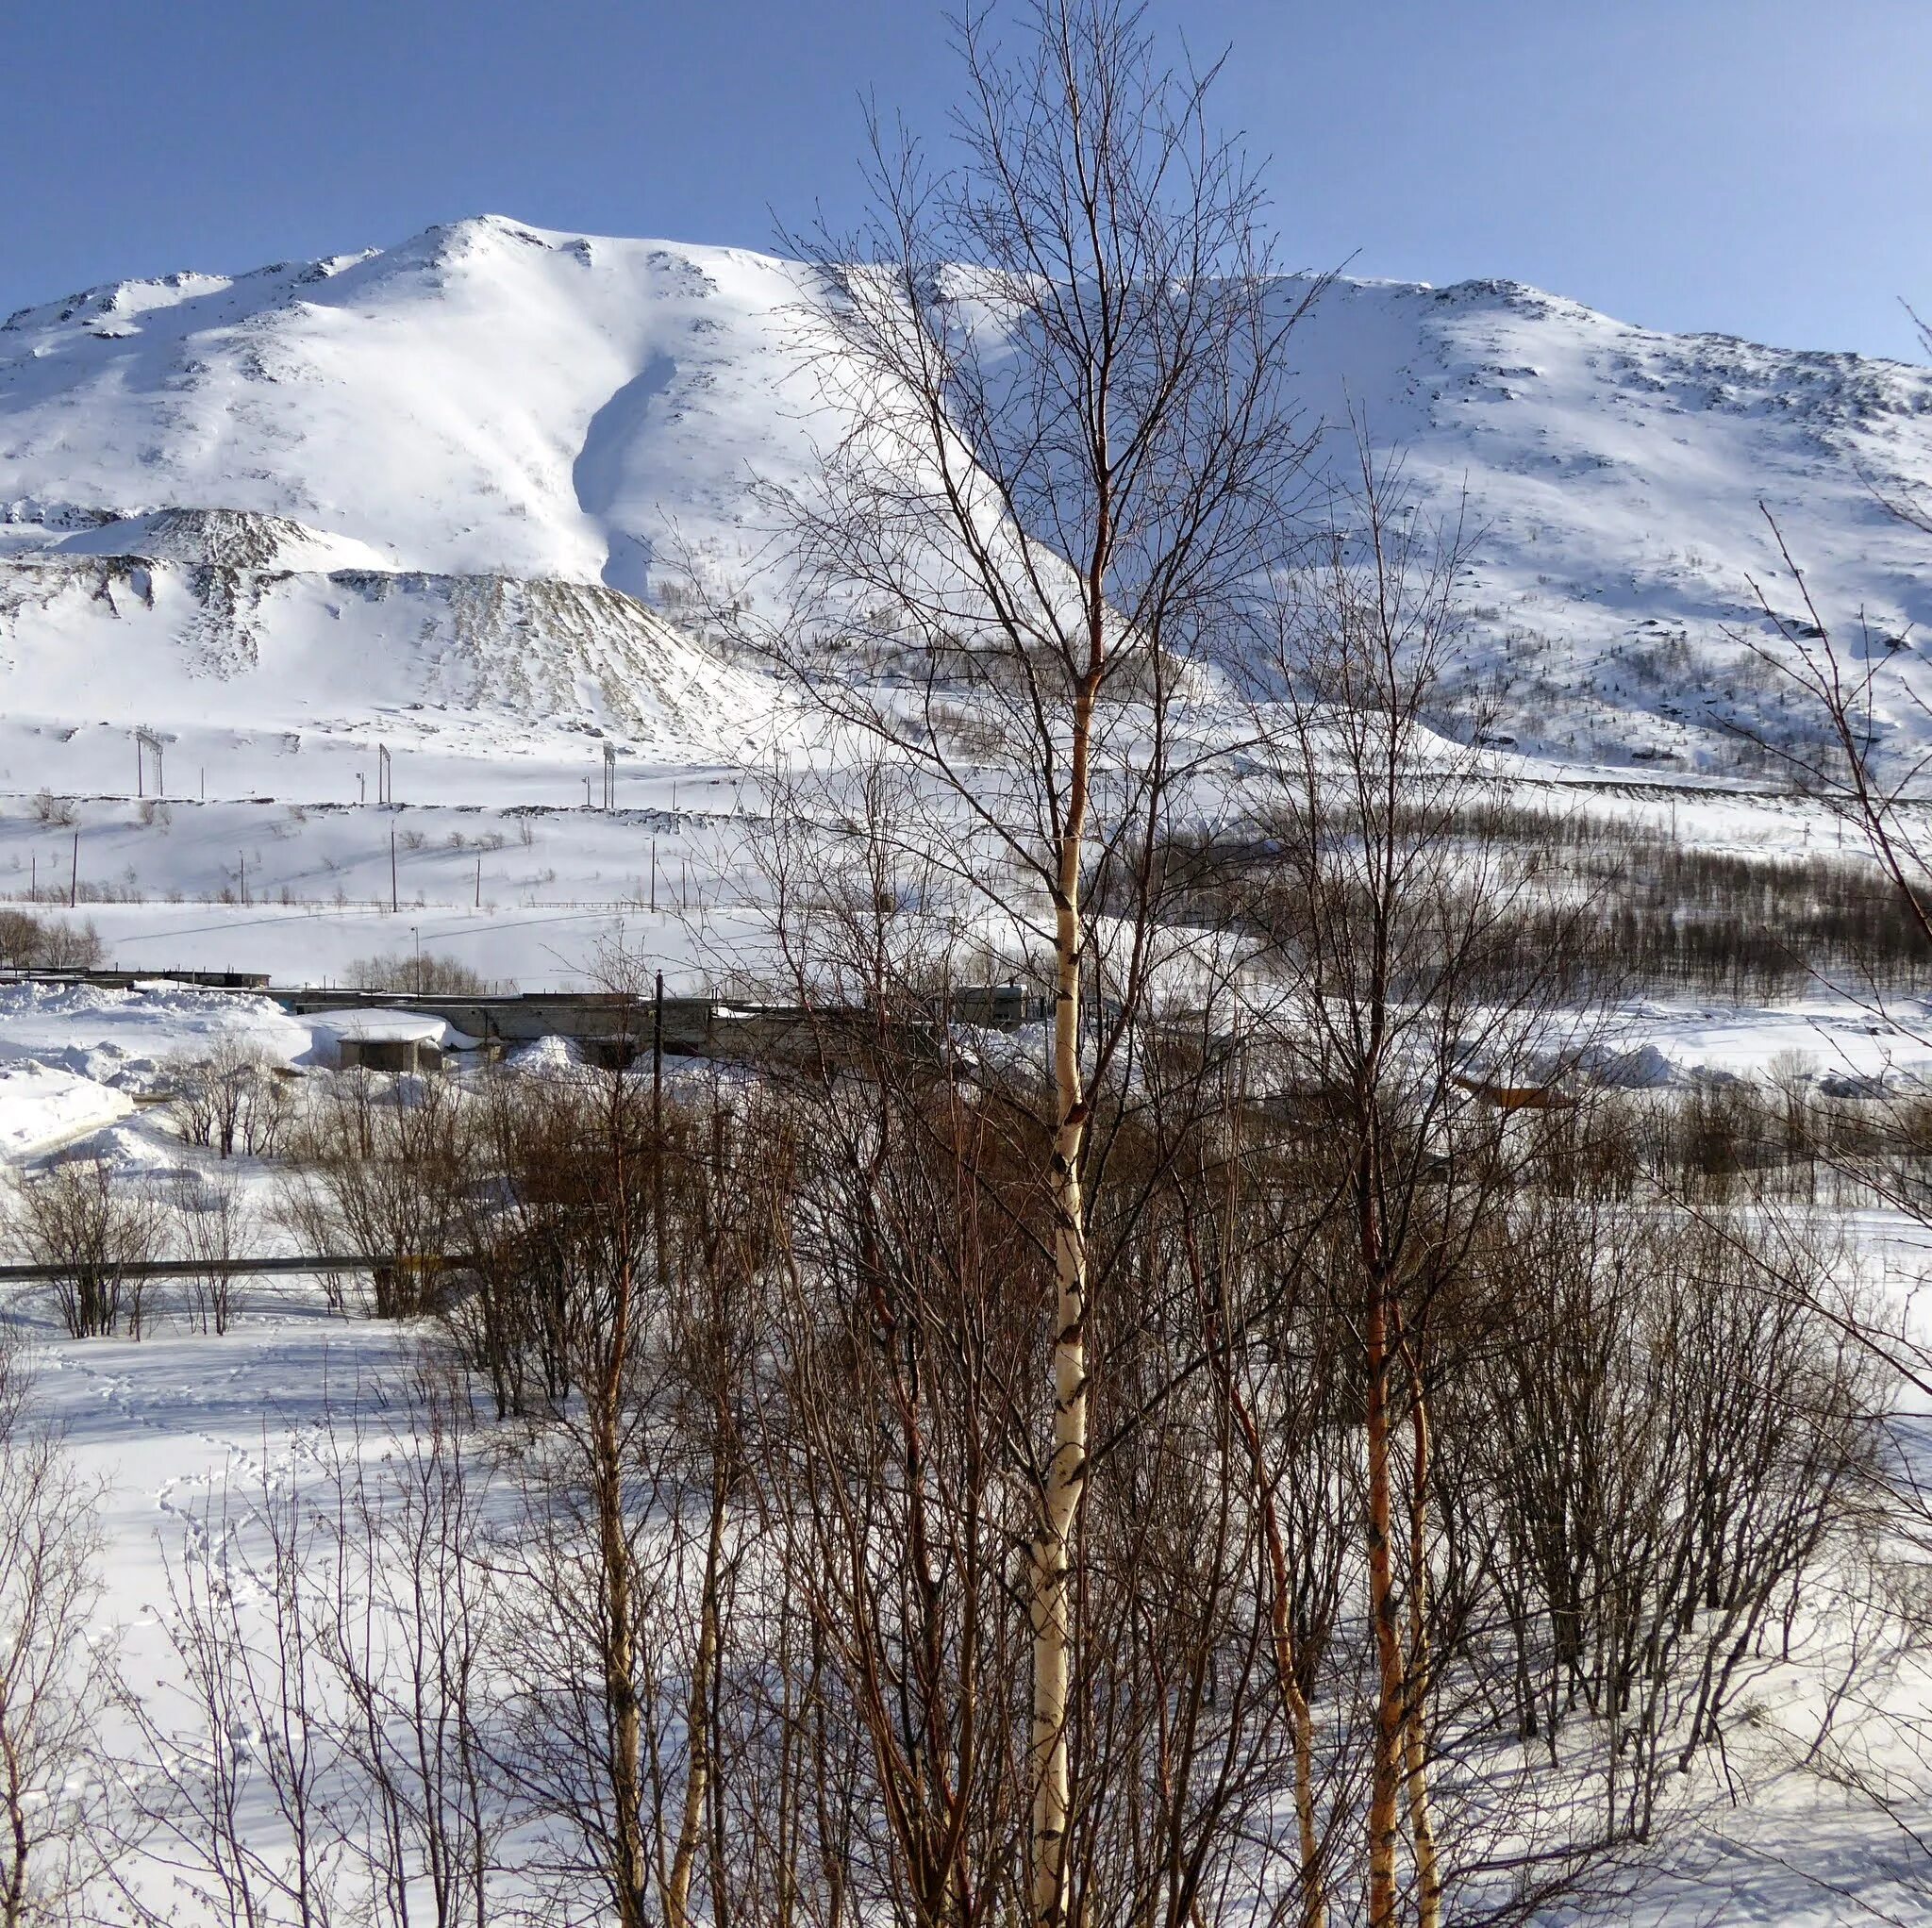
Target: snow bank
(41,1108)
(1836,1041)
(121,1038)
(547,1055)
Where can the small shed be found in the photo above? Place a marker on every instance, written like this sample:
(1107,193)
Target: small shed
(374,1040)
(388,1054)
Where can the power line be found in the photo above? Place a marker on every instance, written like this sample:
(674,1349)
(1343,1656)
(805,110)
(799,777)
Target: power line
(361,910)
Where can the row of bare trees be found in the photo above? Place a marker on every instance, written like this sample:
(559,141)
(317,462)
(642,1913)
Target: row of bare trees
(685,1575)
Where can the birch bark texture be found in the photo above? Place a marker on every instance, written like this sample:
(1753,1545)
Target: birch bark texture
(1074,470)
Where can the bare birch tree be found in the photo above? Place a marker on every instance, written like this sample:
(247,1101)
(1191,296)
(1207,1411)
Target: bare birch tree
(1065,355)
(645,1220)
(1402,1016)
(1853,753)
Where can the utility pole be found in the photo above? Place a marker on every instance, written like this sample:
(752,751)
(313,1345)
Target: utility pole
(610,778)
(479,883)
(654,874)
(393,870)
(385,776)
(241,870)
(73,875)
(147,743)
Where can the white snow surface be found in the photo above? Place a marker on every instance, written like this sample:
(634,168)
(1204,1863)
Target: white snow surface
(1837,1041)
(386,1027)
(431,496)
(455,473)
(487,398)
(123,1041)
(434,497)
(152,1020)
(43,1108)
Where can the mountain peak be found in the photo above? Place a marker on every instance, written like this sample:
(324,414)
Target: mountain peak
(495,402)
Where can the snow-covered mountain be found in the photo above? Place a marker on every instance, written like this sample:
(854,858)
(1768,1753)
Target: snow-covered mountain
(447,475)
(1615,482)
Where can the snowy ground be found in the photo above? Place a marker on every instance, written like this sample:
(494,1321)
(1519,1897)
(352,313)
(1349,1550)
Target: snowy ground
(186,1434)
(186,1437)
(499,855)
(199,539)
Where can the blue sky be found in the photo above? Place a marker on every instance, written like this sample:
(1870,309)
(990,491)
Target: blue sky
(1755,166)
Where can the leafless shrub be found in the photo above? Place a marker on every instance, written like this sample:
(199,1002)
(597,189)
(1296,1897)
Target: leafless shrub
(240,1732)
(232,1098)
(406,1616)
(378,1172)
(21,939)
(55,1682)
(423,973)
(536,1210)
(86,1225)
(1647,1484)
(317,1752)
(216,1224)
(645,1240)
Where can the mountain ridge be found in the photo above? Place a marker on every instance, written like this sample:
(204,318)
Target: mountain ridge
(489,401)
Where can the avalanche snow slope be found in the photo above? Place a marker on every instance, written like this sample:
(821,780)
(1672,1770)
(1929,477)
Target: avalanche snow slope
(450,473)
(485,399)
